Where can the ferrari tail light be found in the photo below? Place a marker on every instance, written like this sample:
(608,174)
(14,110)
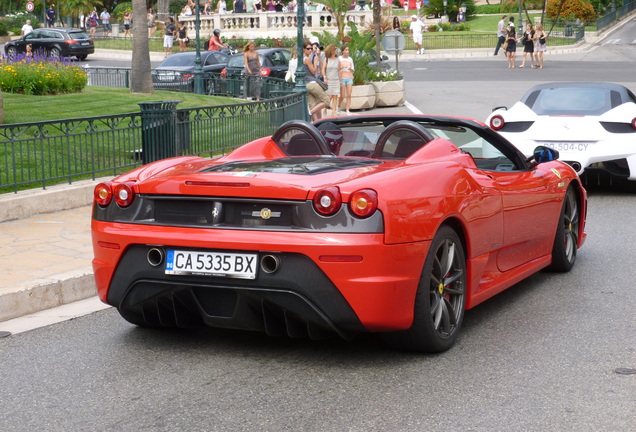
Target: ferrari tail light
(497,122)
(124,194)
(265,71)
(327,201)
(103,194)
(634,123)
(187,77)
(364,202)
(224,73)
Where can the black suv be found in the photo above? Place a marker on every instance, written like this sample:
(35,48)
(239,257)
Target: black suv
(53,42)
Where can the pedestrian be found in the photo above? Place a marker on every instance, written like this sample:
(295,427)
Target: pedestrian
(26,28)
(502,33)
(528,45)
(151,18)
(221,7)
(93,22)
(309,65)
(239,6)
(540,46)
(168,36)
(50,16)
(105,17)
(396,25)
(127,22)
(253,70)
(511,47)
(416,32)
(271,7)
(290,75)
(332,77)
(345,69)
(183,37)
(209,9)
(317,58)
(29,51)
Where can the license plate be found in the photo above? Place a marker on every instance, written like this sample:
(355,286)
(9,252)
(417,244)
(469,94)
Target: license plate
(567,146)
(85,43)
(225,264)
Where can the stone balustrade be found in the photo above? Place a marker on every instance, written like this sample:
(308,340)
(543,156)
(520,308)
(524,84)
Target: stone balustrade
(270,24)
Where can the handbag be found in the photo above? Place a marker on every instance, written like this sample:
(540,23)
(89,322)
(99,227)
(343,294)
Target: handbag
(505,45)
(322,84)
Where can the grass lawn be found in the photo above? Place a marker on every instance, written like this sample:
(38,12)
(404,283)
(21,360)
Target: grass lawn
(93,101)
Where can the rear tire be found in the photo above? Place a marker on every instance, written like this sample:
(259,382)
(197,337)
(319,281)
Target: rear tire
(567,234)
(12,52)
(441,298)
(55,52)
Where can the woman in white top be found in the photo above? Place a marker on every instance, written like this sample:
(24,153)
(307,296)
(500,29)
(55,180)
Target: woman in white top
(222,7)
(293,65)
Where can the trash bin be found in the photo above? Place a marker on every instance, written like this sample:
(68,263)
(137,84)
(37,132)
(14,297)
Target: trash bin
(158,137)
(568,30)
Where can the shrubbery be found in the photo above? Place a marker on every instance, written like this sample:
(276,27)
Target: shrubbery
(14,22)
(572,9)
(41,76)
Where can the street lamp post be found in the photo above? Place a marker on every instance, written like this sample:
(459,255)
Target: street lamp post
(520,24)
(445,4)
(198,68)
(300,69)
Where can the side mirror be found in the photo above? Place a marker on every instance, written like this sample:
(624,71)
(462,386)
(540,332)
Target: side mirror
(544,154)
(505,108)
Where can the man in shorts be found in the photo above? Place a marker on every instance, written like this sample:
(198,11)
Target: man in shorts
(416,32)
(168,36)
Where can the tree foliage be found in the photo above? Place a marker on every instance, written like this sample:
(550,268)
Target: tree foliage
(571,9)
(339,10)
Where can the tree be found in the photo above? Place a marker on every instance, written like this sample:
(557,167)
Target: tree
(140,78)
(339,10)
(74,8)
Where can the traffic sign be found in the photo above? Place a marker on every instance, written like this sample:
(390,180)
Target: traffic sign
(30,6)
(393,42)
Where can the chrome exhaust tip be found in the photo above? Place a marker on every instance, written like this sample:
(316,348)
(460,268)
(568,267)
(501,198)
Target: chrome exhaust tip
(155,256)
(270,264)
(576,166)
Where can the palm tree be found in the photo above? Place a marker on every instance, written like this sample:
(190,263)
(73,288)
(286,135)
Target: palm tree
(339,10)
(140,78)
(74,8)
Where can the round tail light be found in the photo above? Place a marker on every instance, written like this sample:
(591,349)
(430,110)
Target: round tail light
(363,203)
(327,201)
(265,71)
(103,194)
(497,122)
(224,73)
(634,123)
(124,194)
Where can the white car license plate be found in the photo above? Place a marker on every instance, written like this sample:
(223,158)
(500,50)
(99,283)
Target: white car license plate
(235,265)
(567,146)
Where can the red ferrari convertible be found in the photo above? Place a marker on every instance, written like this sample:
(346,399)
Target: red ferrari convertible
(392,224)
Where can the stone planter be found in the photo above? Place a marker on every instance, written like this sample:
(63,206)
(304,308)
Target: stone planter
(389,93)
(362,97)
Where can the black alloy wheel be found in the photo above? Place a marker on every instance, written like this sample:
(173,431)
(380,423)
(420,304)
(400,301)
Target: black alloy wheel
(567,234)
(441,298)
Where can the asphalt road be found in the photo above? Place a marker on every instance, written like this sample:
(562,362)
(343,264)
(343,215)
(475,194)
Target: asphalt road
(545,355)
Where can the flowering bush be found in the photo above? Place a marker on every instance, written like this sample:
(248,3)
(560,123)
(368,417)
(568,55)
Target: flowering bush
(40,76)
(384,76)
(572,9)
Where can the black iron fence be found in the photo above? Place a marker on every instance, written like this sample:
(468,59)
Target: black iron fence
(51,152)
(615,15)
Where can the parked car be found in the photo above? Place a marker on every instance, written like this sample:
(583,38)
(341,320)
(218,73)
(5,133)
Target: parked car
(53,42)
(274,63)
(176,72)
(592,125)
(378,223)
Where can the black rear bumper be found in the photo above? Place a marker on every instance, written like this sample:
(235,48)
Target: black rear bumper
(298,300)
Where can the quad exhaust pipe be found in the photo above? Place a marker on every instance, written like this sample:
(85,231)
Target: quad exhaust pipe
(155,256)
(270,264)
